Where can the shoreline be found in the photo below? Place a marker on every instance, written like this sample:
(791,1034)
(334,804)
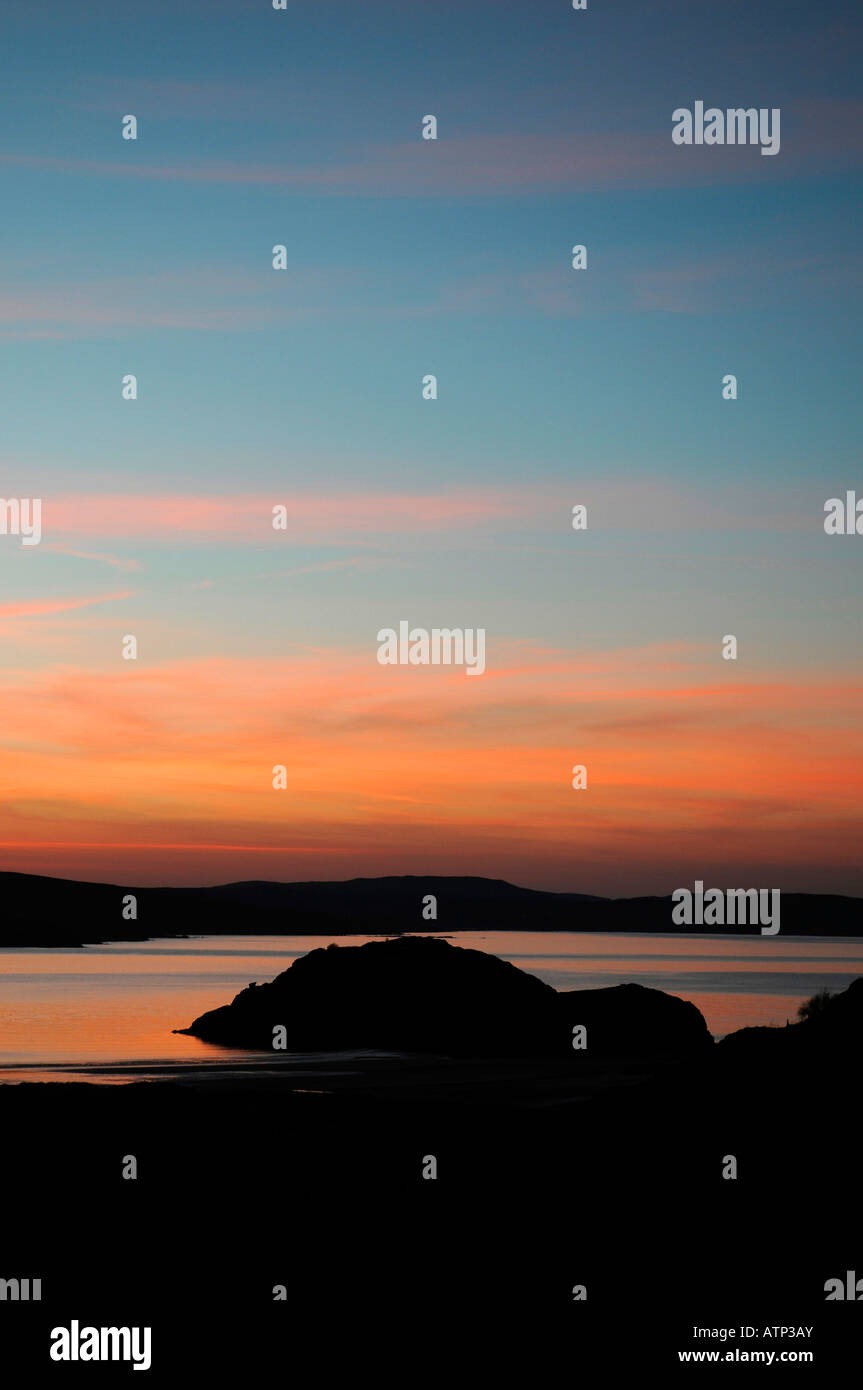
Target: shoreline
(406,1076)
(319,934)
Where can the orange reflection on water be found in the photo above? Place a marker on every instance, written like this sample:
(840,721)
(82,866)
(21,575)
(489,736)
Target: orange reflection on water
(121,1003)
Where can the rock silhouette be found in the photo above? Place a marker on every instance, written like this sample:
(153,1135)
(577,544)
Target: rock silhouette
(421,994)
(631,1020)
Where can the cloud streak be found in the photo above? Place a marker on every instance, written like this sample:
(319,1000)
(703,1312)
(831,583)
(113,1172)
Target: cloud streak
(820,137)
(40,607)
(388,763)
(311,517)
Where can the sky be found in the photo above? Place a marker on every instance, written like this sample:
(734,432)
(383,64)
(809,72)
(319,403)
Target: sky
(303,388)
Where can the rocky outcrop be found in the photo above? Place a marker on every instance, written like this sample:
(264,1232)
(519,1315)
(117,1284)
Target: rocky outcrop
(631,1020)
(420,994)
(832,1031)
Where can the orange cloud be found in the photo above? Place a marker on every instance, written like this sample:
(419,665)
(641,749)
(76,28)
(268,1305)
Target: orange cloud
(422,770)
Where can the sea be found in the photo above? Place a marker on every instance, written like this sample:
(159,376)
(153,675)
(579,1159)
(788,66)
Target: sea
(107,1012)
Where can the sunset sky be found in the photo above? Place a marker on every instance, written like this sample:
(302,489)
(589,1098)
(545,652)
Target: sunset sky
(303,388)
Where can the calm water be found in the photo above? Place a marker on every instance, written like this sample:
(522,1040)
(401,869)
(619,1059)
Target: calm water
(119,1003)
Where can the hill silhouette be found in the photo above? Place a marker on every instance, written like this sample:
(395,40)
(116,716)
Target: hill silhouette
(62,912)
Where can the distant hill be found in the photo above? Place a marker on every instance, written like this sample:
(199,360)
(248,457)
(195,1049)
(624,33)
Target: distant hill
(40,911)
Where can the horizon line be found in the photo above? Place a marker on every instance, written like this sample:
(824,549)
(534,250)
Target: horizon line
(371,878)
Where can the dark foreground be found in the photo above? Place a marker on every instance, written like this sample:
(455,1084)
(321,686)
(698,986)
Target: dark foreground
(613,1181)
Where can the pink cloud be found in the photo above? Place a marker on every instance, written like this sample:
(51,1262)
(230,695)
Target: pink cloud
(616,504)
(356,562)
(33,608)
(249,517)
(55,548)
(816,136)
(214,298)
